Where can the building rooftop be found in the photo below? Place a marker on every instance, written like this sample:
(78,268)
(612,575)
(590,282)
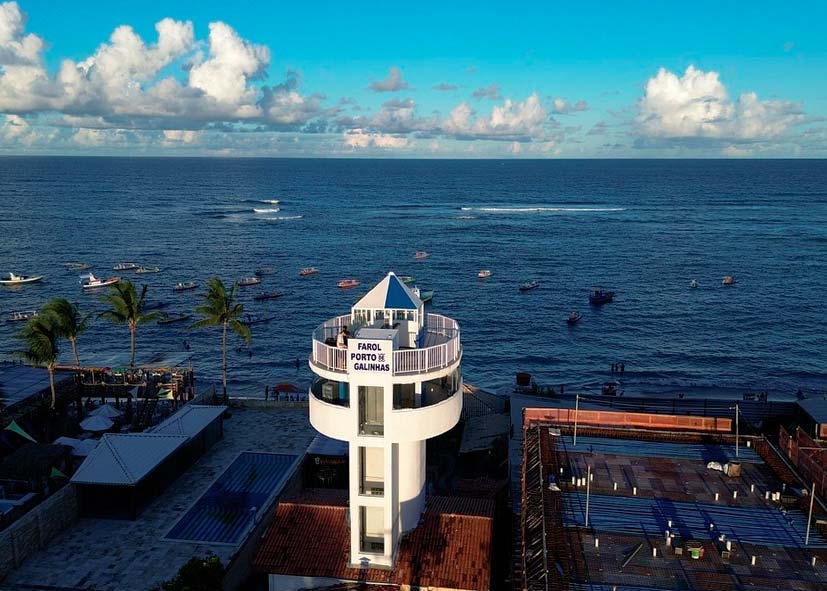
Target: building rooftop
(450,549)
(646,483)
(816,408)
(189,420)
(20,382)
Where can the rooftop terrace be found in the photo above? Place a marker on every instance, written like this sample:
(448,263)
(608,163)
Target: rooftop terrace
(651,500)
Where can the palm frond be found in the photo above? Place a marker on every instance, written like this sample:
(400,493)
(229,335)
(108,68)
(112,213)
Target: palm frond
(242,329)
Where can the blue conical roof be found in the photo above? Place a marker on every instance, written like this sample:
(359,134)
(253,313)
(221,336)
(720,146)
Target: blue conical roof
(390,293)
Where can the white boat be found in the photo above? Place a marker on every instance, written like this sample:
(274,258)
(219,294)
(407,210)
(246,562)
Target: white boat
(348,283)
(693,284)
(728,280)
(484,273)
(308,271)
(22,316)
(184,286)
(143,269)
(421,254)
(126,266)
(93,282)
(20,279)
(246,281)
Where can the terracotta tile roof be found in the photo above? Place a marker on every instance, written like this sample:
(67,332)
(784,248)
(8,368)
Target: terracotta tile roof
(450,549)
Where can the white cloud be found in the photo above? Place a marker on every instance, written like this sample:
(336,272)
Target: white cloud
(392,83)
(562,107)
(181,136)
(15,47)
(445,87)
(697,105)
(231,64)
(359,139)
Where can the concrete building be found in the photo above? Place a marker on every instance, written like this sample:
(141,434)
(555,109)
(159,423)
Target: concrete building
(388,379)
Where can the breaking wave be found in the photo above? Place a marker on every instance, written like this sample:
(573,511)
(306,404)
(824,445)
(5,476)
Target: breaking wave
(283,218)
(542,209)
(266,210)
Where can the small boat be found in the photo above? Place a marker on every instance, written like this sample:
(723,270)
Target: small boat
(600,296)
(171,318)
(184,286)
(20,279)
(93,282)
(693,284)
(421,254)
(22,316)
(143,270)
(728,280)
(256,319)
(268,295)
(264,271)
(247,281)
(406,279)
(574,317)
(484,273)
(348,283)
(126,267)
(74,266)
(528,285)
(308,271)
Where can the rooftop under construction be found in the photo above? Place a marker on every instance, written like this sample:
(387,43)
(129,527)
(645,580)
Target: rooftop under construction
(614,504)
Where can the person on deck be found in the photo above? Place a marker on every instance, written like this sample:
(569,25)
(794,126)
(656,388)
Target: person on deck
(341,338)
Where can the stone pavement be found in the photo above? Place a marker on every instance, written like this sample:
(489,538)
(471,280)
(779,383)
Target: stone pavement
(121,555)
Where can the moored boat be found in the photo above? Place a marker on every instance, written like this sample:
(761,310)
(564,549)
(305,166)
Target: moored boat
(574,317)
(174,317)
(247,281)
(257,319)
(528,285)
(406,279)
(484,273)
(184,286)
(728,280)
(22,316)
(426,295)
(268,295)
(126,267)
(93,282)
(348,283)
(421,254)
(20,279)
(76,266)
(143,270)
(600,296)
(308,271)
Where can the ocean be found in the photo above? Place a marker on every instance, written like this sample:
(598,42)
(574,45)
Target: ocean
(644,228)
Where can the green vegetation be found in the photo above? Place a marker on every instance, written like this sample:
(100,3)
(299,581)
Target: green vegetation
(41,337)
(199,574)
(70,321)
(128,308)
(221,308)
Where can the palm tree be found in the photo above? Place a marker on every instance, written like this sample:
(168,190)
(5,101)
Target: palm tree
(71,322)
(41,336)
(221,308)
(127,308)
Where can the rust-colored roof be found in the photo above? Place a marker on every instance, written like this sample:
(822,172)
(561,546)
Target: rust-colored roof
(450,549)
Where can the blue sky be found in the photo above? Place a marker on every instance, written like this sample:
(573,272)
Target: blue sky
(542,80)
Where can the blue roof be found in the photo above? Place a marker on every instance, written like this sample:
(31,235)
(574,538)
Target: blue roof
(398,296)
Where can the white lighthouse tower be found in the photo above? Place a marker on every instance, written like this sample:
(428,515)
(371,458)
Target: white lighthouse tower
(396,383)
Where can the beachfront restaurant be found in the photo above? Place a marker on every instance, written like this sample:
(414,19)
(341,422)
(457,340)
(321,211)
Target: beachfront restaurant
(125,472)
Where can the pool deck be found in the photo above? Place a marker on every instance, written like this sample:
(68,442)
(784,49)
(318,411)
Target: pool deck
(116,555)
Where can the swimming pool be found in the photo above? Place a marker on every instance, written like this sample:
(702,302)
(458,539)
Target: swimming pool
(228,508)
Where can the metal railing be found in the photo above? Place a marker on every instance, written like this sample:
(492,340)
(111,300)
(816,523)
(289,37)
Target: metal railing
(405,361)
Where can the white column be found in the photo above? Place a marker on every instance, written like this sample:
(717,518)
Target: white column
(411,469)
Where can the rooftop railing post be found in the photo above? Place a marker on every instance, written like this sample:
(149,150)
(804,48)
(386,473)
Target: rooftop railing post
(810,515)
(588,492)
(576,409)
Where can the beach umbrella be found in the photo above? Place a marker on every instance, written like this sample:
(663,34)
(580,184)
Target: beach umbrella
(85,447)
(289,388)
(55,473)
(96,424)
(70,441)
(15,428)
(165,394)
(107,411)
